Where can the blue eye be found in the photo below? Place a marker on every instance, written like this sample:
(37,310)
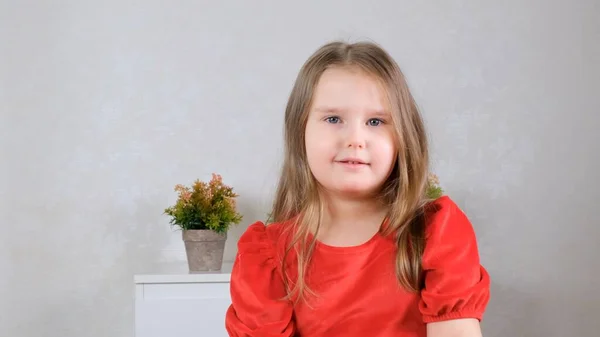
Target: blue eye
(332,119)
(374,122)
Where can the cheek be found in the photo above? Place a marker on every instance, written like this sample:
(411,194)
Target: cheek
(311,141)
(318,142)
(386,150)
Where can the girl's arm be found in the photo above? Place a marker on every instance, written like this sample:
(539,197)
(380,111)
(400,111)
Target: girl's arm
(457,287)
(465,327)
(257,308)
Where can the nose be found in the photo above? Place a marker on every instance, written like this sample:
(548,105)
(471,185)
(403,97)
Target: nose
(355,137)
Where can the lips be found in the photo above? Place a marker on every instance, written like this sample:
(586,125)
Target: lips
(352,161)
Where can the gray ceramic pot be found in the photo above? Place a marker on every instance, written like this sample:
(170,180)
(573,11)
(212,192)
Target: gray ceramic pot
(204,249)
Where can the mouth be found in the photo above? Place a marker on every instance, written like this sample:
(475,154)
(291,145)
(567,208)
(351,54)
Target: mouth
(352,162)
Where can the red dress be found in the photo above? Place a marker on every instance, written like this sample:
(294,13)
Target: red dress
(358,293)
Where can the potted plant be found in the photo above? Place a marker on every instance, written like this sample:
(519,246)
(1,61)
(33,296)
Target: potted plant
(434,190)
(204,212)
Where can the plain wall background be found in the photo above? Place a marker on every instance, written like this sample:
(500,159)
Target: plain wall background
(106,105)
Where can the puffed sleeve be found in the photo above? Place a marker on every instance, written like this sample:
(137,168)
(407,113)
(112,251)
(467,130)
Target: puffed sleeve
(257,289)
(456,285)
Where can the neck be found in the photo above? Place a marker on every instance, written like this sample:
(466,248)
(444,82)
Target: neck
(343,211)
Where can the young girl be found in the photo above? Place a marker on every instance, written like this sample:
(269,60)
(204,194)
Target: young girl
(356,249)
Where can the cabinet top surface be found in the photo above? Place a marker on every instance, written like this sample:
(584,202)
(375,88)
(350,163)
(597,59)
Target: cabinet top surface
(179,273)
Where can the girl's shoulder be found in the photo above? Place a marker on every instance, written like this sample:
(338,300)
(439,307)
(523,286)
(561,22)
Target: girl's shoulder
(263,231)
(267,239)
(444,215)
(443,203)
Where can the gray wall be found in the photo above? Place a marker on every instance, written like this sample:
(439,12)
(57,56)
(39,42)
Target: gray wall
(106,105)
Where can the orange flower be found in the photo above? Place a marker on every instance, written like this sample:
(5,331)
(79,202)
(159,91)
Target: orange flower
(433,179)
(205,205)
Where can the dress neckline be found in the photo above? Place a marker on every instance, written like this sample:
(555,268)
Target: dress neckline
(354,248)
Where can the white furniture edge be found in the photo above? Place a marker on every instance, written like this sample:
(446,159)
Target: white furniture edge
(222,276)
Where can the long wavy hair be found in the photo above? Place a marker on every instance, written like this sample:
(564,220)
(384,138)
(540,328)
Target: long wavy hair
(297,195)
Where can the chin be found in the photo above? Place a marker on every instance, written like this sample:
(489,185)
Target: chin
(351,186)
(354,190)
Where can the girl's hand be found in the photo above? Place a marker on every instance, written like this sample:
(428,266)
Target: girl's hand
(467,327)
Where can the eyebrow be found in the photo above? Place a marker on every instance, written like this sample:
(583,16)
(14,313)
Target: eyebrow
(333,110)
(325,109)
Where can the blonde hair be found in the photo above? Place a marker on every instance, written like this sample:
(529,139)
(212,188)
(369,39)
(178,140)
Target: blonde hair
(297,195)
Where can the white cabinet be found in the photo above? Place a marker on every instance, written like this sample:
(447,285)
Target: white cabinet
(182,305)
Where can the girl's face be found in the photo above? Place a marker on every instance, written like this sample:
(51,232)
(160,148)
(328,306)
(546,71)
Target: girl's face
(350,142)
